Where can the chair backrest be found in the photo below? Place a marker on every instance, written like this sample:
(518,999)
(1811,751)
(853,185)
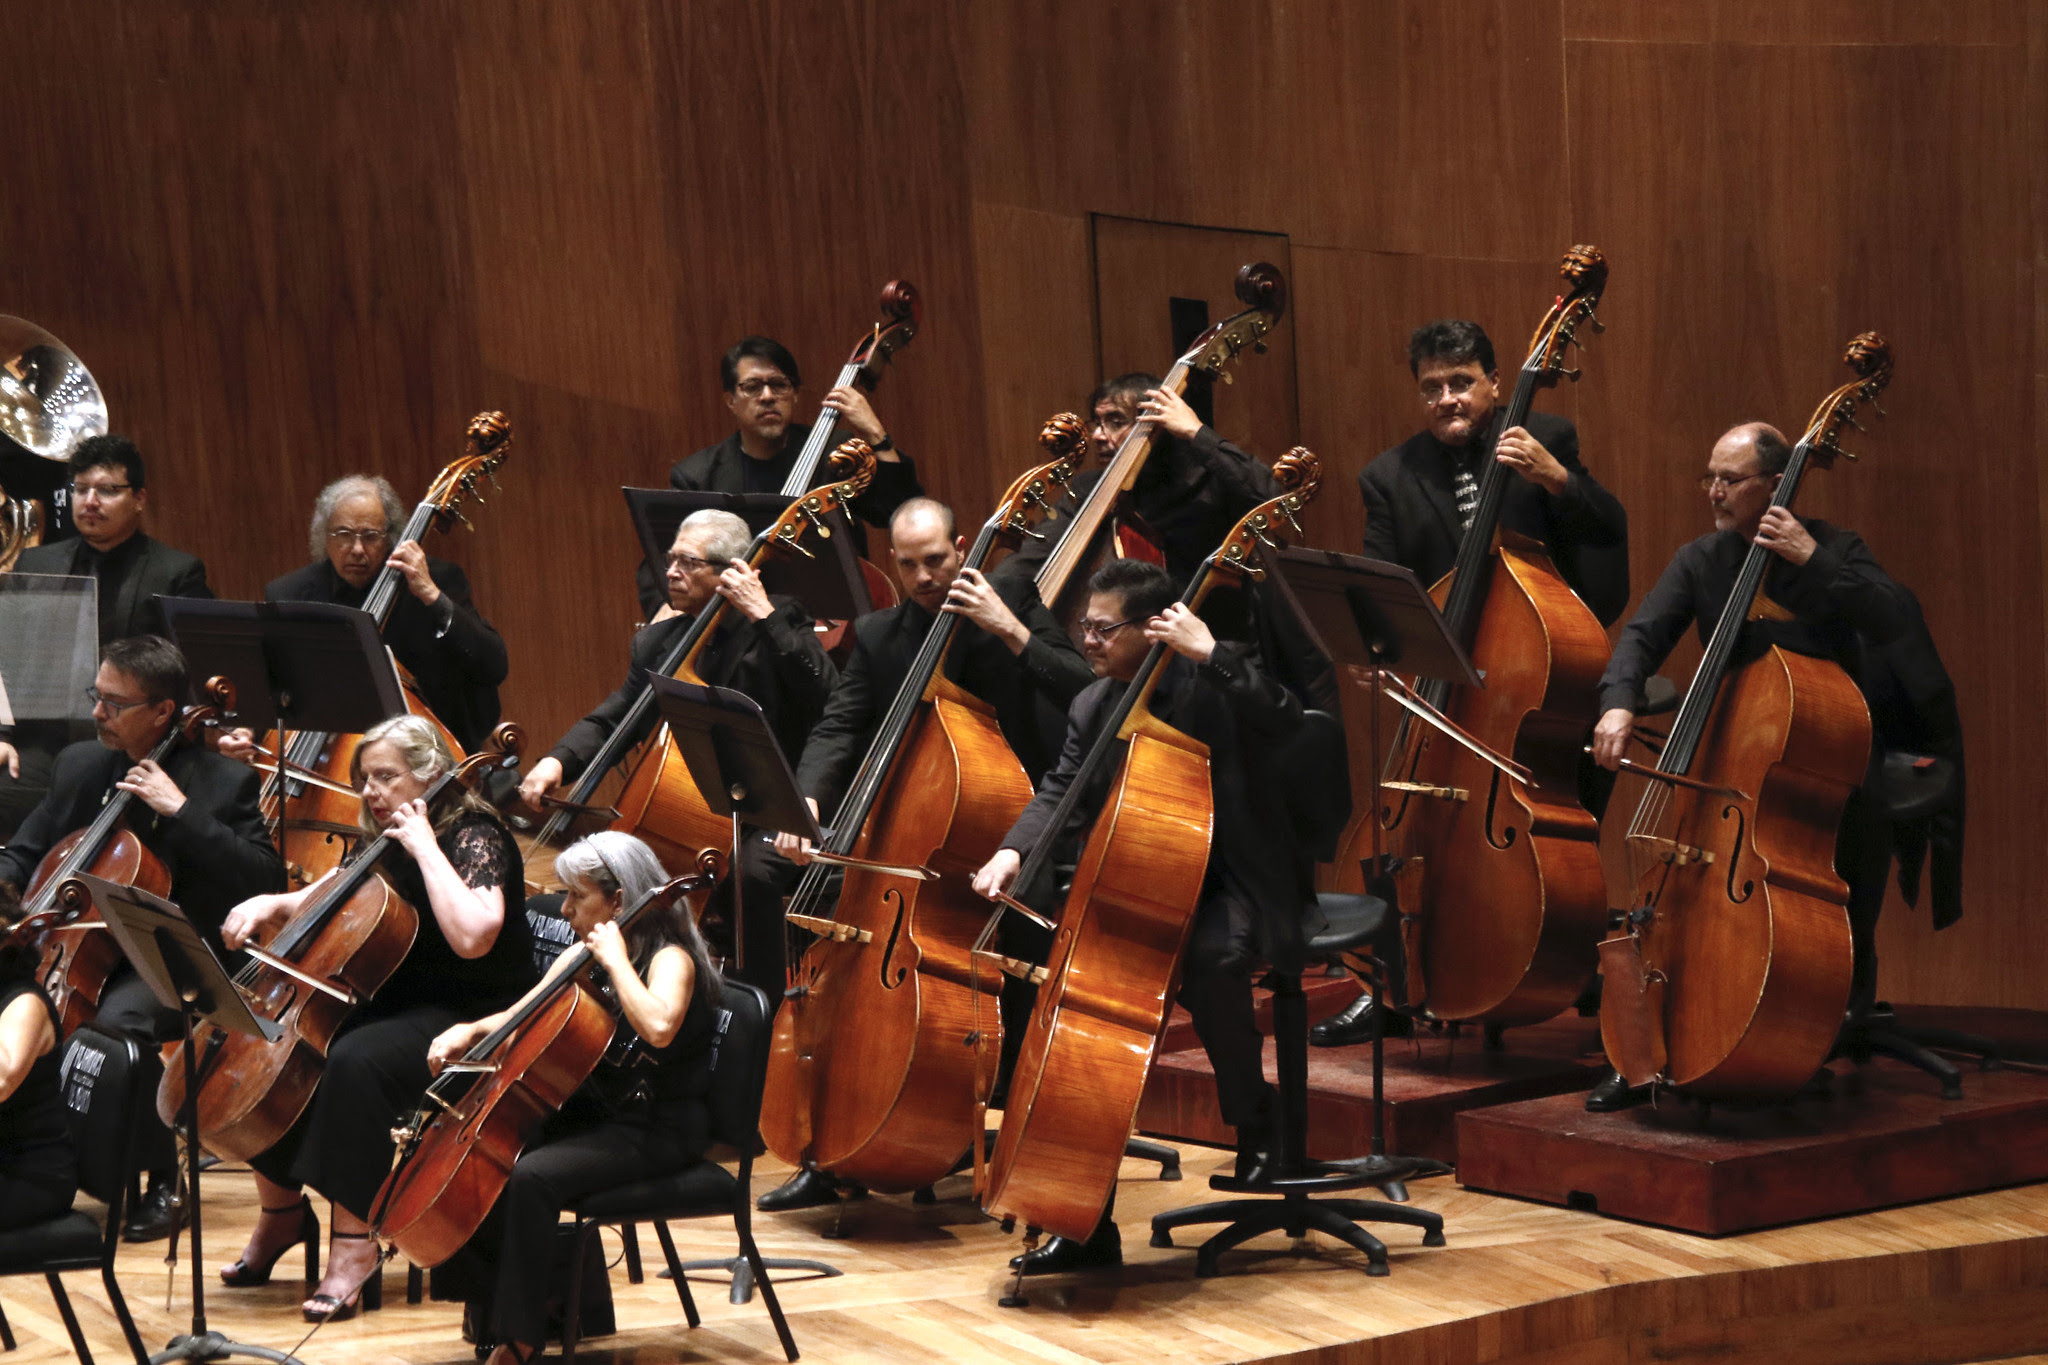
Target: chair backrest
(739,1064)
(102,1076)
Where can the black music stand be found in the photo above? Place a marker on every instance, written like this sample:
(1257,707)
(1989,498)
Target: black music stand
(829,584)
(180,969)
(295,666)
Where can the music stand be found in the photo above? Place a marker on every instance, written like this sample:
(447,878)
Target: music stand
(296,666)
(182,972)
(829,584)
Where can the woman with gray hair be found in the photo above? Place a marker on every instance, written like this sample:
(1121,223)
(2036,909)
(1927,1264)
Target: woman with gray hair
(643,1113)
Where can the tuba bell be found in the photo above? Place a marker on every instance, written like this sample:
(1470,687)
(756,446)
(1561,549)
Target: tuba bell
(49,402)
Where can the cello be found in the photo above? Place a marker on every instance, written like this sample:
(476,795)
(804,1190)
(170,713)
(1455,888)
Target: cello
(872,1064)
(661,803)
(458,1149)
(1109,980)
(1734,970)
(342,945)
(310,803)
(1063,577)
(1497,864)
(78,954)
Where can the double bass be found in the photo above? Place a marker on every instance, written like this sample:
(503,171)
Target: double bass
(1090,529)
(1734,968)
(458,1149)
(872,1067)
(342,945)
(1497,865)
(1109,980)
(78,952)
(661,803)
(310,799)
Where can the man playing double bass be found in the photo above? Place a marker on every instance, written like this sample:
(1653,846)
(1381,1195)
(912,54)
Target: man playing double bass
(762,389)
(1017,659)
(1840,601)
(1420,497)
(196,811)
(1258,887)
(766,648)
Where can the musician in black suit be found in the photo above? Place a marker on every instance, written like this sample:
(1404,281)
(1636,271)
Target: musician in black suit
(1420,497)
(109,494)
(762,390)
(434,629)
(196,811)
(766,647)
(1258,889)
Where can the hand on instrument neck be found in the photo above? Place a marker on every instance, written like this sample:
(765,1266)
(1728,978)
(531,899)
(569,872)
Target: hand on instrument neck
(1183,632)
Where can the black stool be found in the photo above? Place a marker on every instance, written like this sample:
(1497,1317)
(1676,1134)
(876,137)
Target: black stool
(1353,923)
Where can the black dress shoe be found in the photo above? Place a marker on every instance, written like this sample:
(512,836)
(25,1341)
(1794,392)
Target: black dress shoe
(1353,1025)
(807,1189)
(158,1213)
(1061,1254)
(1614,1093)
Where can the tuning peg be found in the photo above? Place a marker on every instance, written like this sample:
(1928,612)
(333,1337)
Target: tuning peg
(1258,348)
(1569,373)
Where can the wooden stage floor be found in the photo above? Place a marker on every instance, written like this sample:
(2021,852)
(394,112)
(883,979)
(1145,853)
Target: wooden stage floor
(1960,1280)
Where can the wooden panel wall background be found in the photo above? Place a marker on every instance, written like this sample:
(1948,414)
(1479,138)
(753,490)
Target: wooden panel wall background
(296,239)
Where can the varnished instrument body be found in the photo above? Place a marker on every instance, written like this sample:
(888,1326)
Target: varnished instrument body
(661,803)
(1754,946)
(252,1091)
(1111,980)
(433,1204)
(871,1070)
(79,956)
(1511,891)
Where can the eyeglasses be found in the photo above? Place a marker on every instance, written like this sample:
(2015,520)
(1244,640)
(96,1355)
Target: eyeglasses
(104,491)
(754,388)
(114,707)
(1457,386)
(342,535)
(1103,630)
(690,563)
(1709,482)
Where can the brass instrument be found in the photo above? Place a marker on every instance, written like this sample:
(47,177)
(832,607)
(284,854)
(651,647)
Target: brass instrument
(49,402)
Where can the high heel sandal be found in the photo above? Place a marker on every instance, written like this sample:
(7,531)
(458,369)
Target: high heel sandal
(367,1295)
(243,1275)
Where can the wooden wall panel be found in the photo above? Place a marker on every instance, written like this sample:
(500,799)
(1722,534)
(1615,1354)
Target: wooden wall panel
(1038,346)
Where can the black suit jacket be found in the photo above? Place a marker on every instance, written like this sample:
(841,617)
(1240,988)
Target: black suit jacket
(216,848)
(453,653)
(1246,718)
(142,568)
(778,662)
(726,468)
(1030,691)
(1411,514)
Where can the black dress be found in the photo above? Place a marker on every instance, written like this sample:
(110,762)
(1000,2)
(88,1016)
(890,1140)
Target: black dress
(38,1174)
(643,1113)
(377,1068)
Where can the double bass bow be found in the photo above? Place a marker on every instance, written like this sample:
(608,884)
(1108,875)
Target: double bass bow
(310,801)
(871,1070)
(339,949)
(1109,979)
(458,1149)
(78,954)
(1496,860)
(1734,968)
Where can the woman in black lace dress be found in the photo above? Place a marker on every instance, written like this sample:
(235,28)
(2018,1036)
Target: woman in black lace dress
(643,1112)
(37,1172)
(457,866)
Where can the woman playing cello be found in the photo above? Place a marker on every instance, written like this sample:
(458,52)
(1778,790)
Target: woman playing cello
(457,864)
(641,1114)
(38,1174)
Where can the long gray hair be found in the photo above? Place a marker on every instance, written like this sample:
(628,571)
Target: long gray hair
(611,862)
(426,756)
(352,486)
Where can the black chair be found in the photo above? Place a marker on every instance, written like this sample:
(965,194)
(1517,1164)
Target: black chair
(739,1071)
(1355,924)
(106,1087)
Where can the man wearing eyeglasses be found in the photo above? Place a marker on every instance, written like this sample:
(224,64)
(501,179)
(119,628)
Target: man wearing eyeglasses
(109,494)
(767,647)
(196,811)
(763,388)
(434,629)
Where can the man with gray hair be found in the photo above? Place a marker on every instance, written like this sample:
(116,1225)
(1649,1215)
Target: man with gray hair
(434,629)
(767,647)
